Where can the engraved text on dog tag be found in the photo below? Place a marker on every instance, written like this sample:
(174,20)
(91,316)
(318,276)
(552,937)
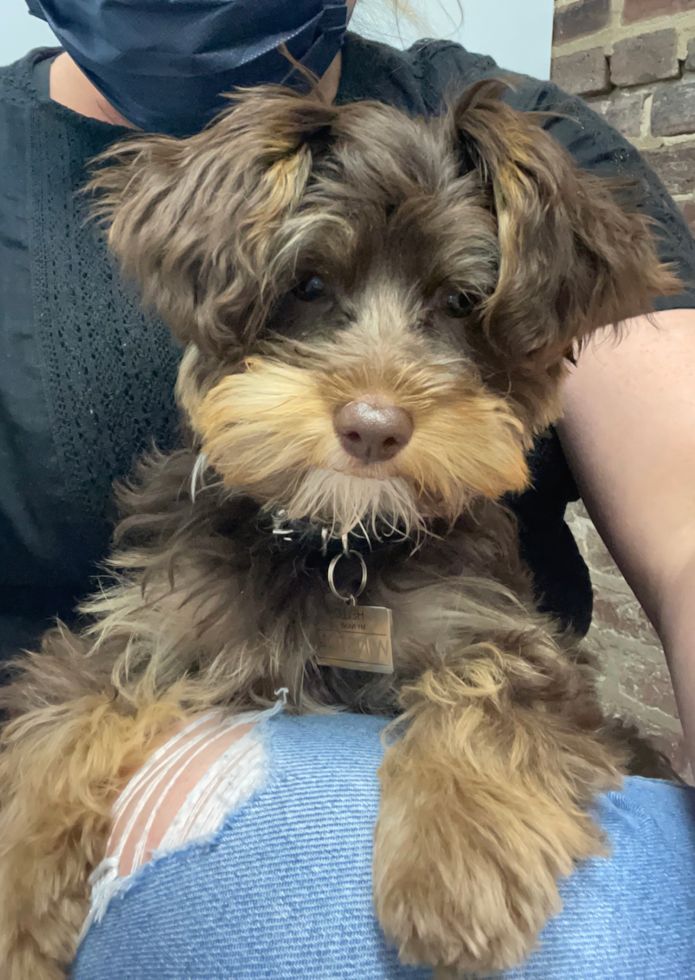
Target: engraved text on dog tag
(358,638)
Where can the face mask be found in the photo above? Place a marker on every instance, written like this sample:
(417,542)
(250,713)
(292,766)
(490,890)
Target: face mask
(166,64)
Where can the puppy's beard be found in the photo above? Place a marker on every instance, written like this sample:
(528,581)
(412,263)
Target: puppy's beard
(269,432)
(344,502)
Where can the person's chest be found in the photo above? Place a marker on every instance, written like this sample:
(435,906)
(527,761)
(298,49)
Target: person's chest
(86,379)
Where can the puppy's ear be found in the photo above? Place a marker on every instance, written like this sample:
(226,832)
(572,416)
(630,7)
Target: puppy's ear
(572,257)
(194,221)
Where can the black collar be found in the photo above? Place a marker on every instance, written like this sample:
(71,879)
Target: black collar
(311,536)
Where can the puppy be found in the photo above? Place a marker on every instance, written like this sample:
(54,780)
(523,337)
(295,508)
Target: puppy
(378,312)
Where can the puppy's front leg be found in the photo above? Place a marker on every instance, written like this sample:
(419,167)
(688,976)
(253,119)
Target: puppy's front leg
(62,765)
(484,799)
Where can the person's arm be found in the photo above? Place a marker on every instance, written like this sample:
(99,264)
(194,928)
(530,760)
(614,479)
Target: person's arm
(629,435)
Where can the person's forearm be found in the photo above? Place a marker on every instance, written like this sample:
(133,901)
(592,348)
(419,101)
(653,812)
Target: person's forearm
(629,436)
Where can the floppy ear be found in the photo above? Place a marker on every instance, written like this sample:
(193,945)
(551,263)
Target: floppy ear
(193,221)
(572,257)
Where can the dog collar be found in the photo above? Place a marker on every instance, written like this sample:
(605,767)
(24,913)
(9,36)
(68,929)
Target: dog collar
(314,536)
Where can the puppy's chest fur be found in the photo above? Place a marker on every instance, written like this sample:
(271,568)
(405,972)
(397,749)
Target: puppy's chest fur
(214,582)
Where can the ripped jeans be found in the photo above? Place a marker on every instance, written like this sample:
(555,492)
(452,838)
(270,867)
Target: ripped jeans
(242,851)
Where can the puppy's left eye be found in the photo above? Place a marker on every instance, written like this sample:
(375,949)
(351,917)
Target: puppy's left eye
(456,303)
(310,289)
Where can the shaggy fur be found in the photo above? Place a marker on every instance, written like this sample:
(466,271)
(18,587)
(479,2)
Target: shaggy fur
(460,261)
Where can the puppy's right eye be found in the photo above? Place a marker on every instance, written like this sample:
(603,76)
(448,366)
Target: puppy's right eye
(310,289)
(457,304)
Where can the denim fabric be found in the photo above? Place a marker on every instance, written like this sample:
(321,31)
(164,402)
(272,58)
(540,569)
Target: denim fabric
(283,891)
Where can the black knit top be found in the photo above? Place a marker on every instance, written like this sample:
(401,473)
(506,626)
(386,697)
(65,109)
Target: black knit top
(86,380)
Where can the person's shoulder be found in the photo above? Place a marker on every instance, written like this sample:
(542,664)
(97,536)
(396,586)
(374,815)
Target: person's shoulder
(445,67)
(430,74)
(419,79)
(16,79)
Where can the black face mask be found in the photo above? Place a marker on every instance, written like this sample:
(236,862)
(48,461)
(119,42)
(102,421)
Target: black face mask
(165,65)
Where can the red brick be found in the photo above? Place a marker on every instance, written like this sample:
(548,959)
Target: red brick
(645,9)
(690,57)
(582,73)
(688,209)
(650,684)
(581,18)
(646,58)
(621,612)
(676,167)
(622,110)
(673,109)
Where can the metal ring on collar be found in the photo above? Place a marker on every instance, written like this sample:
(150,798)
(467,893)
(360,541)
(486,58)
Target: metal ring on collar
(331,576)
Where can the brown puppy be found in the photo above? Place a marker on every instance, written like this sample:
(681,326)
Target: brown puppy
(378,312)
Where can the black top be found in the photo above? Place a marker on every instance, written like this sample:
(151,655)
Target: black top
(86,381)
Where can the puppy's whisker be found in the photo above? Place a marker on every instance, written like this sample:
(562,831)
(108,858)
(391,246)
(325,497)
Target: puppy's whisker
(198,475)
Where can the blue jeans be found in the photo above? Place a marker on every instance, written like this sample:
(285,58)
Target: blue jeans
(283,889)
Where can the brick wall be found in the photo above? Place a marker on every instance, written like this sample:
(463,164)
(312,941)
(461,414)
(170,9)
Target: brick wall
(635,682)
(634,62)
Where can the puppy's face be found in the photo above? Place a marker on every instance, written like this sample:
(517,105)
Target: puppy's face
(378,309)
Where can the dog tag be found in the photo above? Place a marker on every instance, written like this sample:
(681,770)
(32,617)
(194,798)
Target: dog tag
(357,638)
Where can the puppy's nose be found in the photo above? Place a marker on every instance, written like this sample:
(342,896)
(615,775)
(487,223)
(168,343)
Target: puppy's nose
(373,433)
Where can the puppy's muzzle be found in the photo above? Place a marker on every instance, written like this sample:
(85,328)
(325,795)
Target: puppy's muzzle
(372,433)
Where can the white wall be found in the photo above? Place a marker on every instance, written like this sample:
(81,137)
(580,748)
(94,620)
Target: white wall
(20,32)
(517,33)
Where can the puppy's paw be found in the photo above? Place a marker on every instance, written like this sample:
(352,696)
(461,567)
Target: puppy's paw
(465,871)
(471,913)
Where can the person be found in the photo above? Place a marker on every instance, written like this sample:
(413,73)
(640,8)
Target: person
(86,379)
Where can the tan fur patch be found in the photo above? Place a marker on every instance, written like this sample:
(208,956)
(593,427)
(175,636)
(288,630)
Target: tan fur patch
(60,772)
(483,808)
(267,429)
